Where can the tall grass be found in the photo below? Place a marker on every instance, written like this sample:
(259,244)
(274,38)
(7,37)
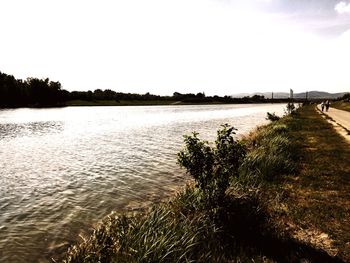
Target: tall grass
(181,230)
(271,153)
(161,235)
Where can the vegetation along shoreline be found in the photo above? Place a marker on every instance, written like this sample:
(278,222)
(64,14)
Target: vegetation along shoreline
(42,93)
(38,93)
(280,194)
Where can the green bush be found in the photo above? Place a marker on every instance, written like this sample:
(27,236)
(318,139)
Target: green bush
(212,167)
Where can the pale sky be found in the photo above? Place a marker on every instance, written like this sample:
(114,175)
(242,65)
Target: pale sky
(220,47)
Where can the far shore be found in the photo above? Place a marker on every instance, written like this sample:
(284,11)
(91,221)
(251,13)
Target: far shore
(78,103)
(157,102)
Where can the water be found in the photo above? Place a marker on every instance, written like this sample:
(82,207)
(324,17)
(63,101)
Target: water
(64,169)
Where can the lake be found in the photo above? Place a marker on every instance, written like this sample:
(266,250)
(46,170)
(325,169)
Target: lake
(63,169)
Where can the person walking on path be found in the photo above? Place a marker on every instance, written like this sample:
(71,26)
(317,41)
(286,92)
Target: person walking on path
(339,116)
(327,105)
(322,106)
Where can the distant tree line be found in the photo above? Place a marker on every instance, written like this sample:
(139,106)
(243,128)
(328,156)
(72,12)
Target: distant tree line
(34,92)
(108,94)
(345,97)
(201,98)
(31,92)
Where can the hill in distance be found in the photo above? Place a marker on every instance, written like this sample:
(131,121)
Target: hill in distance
(285,95)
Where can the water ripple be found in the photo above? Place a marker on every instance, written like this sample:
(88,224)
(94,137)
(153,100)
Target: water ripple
(13,130)
(64,169)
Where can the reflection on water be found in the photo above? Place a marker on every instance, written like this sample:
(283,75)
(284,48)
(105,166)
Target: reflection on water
(64,169)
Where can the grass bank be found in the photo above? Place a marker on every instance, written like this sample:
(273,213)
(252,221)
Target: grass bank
(317,198)
(341,105)
(279,195)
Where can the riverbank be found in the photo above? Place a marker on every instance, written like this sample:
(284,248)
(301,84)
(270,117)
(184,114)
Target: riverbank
(72,103)
(273,211)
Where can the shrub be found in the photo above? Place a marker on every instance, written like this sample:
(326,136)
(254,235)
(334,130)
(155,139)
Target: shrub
(212,167)
(272,117)
(290,108)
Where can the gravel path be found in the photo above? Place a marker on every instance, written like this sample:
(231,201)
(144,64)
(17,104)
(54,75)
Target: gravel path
(341,118)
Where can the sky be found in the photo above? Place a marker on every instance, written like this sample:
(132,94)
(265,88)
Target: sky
(220,47)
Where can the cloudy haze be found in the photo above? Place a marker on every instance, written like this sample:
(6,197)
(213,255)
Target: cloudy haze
(161,46)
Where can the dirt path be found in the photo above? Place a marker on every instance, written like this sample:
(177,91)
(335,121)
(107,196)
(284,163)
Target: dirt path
(340,119)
